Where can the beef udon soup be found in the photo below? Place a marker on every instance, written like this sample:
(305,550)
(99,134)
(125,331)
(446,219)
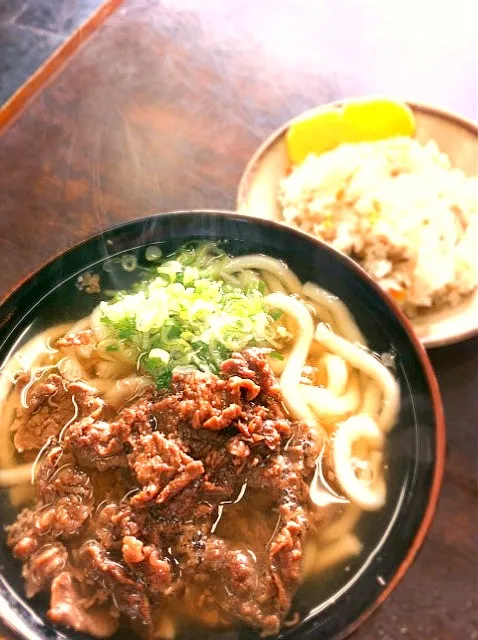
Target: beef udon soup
(195,449)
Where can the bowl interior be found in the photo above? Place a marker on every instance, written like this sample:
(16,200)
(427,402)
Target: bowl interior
(331,604)
(458,138)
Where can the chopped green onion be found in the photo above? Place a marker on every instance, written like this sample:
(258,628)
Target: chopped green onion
(153,253)
(159,354)
(129,262)
(276,355)
(108,266)
(187,316)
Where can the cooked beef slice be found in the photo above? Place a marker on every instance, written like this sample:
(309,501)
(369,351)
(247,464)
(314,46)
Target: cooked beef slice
(42,566)
(70,606)
(77,339)
(51,404)
(130,595)
(64,500)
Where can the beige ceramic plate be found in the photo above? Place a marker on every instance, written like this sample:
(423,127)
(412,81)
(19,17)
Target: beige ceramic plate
(456,136)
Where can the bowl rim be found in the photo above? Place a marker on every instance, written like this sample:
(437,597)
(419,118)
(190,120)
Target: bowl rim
(416,106)
(428,372)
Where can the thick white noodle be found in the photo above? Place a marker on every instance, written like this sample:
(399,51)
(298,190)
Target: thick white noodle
(320,491)
(371,396)
(9,409)
(321,314)
(320,556)
(122,391)
(277,366)
(344,320)
(24,358)
(343,525)
(231,279)
(366,362)
(95,318)
(164,628)
(326,403)
(70,368)
(244,277)
(21,494)
(264,263)
(308,559)
(16,475)
(359,427)
(346,547)
(291,374)
(272,283)
(111,369)
(337,373)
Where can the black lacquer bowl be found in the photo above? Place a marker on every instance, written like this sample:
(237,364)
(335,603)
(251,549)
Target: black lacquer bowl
(336,602)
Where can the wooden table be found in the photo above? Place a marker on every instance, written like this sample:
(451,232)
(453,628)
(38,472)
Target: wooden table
(161,108)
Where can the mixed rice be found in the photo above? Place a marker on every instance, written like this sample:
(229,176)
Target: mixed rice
(399,209)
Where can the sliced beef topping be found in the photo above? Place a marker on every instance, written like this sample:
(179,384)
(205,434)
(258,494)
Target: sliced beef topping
(132,550)
(162,468)
(154,569)
(96,444)
(52,404)
(70,606)
(198,399)
(103,445)
(49,408)
(85,398)
(225,586)
(21,535)
(66,494)
(128,593)
(252,365)
(202,400)
(211,508)
(76,339)
(64,503)
(42,566)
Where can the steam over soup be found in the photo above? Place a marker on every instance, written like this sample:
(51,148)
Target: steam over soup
(198,446)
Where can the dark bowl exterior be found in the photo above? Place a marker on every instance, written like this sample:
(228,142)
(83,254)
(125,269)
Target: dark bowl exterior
(419,437)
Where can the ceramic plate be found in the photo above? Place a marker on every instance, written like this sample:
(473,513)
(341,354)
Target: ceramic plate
(456,136)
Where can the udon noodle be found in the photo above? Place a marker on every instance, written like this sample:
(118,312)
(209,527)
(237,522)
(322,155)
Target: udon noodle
(328,377)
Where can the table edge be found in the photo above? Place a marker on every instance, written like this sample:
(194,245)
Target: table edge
(14,106)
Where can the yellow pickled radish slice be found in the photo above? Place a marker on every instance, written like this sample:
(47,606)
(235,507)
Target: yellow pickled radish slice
(377,119)
(359,120)
(316,134)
